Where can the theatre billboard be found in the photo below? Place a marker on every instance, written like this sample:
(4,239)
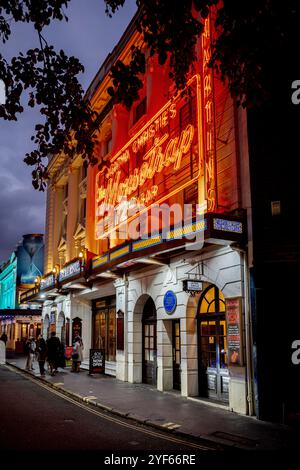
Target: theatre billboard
(157,166)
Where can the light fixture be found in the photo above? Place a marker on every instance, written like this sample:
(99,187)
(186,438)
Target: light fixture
(150,261)
(54,270)
(42,296)
(81,255)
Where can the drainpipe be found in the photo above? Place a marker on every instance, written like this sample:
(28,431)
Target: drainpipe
(125,326)
(248,331)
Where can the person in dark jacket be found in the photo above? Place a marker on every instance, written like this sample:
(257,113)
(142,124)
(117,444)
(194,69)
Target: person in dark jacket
(41,349)
(53,347)
(61,356)
(4,338)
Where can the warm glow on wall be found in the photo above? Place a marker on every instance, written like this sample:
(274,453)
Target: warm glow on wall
(159,162)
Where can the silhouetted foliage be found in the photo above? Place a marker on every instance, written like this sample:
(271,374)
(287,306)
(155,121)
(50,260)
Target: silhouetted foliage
(252,38)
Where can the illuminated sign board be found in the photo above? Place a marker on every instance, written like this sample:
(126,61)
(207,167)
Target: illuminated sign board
(47,281)
(193,286)
(70,270)
(157,164)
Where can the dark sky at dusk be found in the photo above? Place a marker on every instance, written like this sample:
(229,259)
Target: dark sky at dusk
(89,35)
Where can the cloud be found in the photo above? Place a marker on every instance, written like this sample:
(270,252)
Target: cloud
(90,36)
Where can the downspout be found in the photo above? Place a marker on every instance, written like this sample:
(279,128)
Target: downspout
(248,331)
(125,326)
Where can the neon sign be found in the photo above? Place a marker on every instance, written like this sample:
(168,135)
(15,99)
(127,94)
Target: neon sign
(208,122)
(161,160)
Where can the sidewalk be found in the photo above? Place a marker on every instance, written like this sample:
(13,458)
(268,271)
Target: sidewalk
(170,411)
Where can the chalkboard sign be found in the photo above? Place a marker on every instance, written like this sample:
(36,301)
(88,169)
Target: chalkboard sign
(97,361)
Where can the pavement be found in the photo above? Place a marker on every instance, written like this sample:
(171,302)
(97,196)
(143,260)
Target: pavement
(190,418)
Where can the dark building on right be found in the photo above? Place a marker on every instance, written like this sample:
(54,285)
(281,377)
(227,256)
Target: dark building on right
(273,139)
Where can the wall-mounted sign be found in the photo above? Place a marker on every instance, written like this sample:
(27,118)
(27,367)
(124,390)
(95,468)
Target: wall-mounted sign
(47,282)
(192,285)
(234,331)
(97,361)
(70,270)
(162,159)
(170,302)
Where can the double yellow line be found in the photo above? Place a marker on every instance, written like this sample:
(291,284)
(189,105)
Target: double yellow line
(110,418)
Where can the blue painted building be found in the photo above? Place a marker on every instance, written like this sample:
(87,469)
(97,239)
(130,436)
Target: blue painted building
(17,275)
(8,281)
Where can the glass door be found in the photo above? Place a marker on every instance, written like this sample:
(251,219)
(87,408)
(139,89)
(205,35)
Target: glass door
(149,353)
(176,354)
(149,343)
(213,374)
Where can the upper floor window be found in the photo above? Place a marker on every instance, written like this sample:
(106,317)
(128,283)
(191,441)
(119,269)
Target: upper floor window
(140,110)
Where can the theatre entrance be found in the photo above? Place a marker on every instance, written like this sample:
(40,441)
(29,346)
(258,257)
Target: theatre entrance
(212,346)
(149,343)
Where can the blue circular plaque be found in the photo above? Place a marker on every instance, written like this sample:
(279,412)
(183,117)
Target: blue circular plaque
(170,302)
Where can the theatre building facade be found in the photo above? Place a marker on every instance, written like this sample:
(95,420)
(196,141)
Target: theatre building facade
(146,254)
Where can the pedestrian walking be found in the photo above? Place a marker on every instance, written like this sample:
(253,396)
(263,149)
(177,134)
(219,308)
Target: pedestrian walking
(77,355)
(41,348)
(30,349)
(53,346)
(61,356)
(4,338)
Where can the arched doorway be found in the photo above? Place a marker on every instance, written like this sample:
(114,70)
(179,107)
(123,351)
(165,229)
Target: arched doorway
(212,345)
(149,356)
(61,327)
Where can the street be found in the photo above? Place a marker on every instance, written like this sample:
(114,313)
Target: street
(36,419)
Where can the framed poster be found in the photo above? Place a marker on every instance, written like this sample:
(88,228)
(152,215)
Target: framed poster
(234,331)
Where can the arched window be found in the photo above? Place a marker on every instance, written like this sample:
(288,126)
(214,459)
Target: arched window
(212,301)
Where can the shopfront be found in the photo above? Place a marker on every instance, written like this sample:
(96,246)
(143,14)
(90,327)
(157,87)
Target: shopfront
(104,330)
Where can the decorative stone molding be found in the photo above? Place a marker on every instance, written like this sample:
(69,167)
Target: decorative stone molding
(83,188)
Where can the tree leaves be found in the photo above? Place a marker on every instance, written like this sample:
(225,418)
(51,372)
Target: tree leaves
(251,45)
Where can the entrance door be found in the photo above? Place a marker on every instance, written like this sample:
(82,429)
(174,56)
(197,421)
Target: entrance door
(149,343)
(213,368)
(176,354)
(214,379)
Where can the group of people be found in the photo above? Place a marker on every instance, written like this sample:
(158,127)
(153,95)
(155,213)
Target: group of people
(52,351)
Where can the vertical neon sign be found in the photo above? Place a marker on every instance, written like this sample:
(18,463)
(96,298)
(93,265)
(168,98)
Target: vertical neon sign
(208,121)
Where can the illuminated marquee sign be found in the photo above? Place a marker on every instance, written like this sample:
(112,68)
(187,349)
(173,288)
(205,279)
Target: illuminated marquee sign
(209,116)
(161,160)
(70,270)
(47,281)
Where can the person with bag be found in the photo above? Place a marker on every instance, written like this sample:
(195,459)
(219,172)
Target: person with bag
(77,355)
(30,348)
(53,347)
(41,354)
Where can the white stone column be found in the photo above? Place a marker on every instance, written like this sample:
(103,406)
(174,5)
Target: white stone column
(57,224)
(134,338)
(189,351)
(72,211)
(121,286)
(164,355)
(49,230)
